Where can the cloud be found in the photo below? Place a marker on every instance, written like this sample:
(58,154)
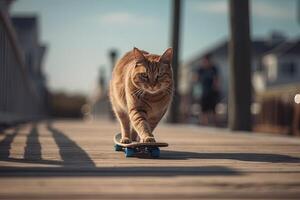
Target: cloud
(259,9)
(126,18)
(272,11)
(216,7)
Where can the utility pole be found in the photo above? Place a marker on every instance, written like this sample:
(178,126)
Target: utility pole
(298,11)
(240,67)
(173,115)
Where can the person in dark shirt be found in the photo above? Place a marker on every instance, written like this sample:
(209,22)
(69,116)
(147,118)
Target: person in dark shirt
(207,76)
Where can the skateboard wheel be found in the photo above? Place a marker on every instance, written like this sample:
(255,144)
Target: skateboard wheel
(118,147)
(155,152)
(129,152)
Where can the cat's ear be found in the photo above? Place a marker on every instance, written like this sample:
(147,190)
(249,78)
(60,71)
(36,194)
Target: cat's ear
(167,56)
(138,55)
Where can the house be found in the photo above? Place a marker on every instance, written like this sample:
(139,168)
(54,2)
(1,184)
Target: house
(27,30)
(23,92)
(282,64)
(275,64)
(219,55)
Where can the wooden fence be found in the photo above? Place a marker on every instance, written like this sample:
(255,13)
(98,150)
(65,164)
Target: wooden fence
(279,112)
(19,98)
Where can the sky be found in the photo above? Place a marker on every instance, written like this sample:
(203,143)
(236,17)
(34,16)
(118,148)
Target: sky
(80,33)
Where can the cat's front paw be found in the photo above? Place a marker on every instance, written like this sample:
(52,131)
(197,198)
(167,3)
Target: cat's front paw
(125,140)
(148,139)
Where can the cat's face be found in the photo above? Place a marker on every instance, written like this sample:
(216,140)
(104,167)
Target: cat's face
(152,75)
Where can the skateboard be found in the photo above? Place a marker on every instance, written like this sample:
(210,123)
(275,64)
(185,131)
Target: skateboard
(138,148)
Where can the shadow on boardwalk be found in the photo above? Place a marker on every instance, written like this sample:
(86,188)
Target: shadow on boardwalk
(117,171)
(250,157)
(76,162)
(69,151)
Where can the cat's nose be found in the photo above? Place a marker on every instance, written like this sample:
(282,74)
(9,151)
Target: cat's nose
(152,86)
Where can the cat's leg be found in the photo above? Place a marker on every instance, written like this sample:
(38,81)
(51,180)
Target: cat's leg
(153,125)
(153,122)
(125,126)
(134,135)
(139,122)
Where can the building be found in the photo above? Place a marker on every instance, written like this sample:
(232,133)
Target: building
(219,55)
(28,35)
(282,64)
(275,64)
(278,89)
(23,91)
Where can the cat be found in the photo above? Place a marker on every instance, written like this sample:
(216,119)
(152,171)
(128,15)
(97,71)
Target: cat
(140,92)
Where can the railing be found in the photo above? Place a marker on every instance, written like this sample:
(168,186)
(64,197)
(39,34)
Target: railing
(19,98)
(279,112)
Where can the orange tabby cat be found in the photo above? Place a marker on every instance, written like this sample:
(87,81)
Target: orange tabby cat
(141,90)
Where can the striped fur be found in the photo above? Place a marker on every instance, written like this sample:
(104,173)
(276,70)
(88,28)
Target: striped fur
(141,90)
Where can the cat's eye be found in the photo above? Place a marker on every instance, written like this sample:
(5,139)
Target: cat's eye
(144,75)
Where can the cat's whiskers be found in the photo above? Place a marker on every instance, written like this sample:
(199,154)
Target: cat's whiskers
(170,90)
(143,93)
(136,92)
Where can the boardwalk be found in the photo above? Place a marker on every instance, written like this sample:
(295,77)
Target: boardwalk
(75,160)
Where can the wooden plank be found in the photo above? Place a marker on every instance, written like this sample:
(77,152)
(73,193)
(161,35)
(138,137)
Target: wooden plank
(134,144)
(76,160)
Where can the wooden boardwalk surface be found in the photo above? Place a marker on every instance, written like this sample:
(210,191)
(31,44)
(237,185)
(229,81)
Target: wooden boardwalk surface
(76,160)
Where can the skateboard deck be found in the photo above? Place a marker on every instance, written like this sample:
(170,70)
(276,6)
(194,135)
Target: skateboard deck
(134,148)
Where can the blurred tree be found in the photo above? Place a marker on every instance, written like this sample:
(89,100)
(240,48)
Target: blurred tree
(66,105)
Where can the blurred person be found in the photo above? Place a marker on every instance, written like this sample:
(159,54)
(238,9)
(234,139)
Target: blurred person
(207,80)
